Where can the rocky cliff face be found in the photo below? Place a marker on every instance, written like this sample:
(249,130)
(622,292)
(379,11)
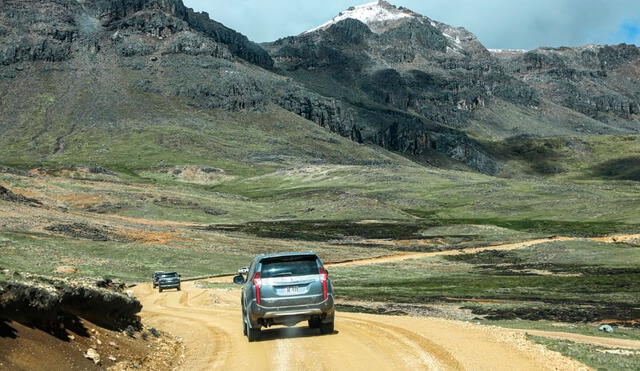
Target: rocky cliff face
(34,30)
(598,81)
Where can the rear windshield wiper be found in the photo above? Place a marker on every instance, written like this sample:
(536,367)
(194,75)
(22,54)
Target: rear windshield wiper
(283,274)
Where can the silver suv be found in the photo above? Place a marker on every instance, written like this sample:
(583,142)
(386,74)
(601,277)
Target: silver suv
(286,289)
(168,280)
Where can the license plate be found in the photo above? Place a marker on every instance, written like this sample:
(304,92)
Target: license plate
(291,290)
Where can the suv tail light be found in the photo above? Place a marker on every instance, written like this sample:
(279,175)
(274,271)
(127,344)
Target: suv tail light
(256,283)
(324,277)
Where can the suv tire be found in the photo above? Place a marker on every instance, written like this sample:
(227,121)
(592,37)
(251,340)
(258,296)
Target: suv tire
(252,333)
(244,324)
(327,328)
(314,323)
(160,289)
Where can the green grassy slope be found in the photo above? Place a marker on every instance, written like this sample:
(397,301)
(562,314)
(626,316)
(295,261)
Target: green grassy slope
(240,143)
(441,194)
(602,157)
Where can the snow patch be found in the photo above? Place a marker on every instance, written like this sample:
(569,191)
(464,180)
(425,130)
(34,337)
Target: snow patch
(457,42)
(370,13)
(507,50)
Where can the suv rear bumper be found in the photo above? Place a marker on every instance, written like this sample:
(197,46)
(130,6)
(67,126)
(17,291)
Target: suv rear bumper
(291,315)
(172,285)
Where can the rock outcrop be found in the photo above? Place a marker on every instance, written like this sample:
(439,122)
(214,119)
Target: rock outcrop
(53,31)
(598,81)
(44,303)
(7,195)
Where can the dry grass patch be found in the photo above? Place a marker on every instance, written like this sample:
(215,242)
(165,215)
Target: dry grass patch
(154,237)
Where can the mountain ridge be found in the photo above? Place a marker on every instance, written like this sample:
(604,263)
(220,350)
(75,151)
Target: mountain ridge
(454,59)
(413,85)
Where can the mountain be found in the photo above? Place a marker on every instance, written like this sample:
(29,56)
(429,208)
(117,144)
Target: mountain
(69,66)
(145,83)
(410,82)
(381,58)
(97,80)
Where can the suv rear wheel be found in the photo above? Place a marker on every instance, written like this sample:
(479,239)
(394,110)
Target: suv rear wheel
(326,328)
(244,324)
(314,323)
(252,333)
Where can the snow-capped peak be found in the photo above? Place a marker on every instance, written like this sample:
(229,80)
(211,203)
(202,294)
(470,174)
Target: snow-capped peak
(377,12)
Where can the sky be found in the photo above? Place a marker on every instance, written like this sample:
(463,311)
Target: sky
(500,24)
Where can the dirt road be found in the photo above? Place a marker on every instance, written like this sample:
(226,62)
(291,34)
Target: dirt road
(209,322)
(473,250)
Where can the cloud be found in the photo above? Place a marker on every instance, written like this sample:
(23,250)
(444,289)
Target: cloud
(523,24)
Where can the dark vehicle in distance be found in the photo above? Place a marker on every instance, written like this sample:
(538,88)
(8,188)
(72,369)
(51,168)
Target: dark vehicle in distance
(155,277)
(286,289)
(168,280)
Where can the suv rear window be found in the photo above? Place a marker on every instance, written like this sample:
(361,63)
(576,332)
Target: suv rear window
(168,275)
(288,266)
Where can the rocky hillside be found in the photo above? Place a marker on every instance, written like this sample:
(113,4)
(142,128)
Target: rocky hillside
(74,73)
(52,30)
(402,60)
(68,67)
(600,82)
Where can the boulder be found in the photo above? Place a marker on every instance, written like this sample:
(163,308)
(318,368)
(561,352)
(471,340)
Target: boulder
(93,355)
(606,328)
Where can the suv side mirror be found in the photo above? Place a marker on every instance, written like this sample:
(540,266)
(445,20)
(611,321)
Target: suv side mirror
(238,280)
